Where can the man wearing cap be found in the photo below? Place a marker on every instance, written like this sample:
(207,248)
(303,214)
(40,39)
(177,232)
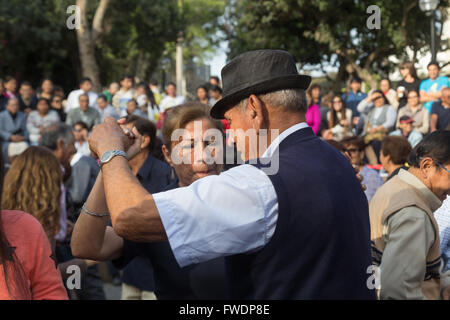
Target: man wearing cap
(299,232)
(406,130)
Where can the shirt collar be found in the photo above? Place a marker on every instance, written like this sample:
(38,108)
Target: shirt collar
(275,143)
(411,179)
(146,168)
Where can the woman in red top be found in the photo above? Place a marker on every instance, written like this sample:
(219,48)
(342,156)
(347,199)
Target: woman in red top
(27,271)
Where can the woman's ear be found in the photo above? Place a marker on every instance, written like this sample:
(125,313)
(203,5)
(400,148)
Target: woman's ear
(166,154)
(145,142)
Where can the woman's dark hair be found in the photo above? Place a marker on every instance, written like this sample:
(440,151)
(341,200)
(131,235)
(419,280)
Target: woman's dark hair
(204,87)
(410,66)
(397,148)
(43,99)
(435,145)
(382,95)
(12,268)
(334,118)
(149,94)
(354,141)
(147,128)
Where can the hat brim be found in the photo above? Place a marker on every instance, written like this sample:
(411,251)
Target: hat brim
(286,82)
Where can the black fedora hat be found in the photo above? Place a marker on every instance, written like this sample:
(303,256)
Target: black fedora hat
(257,72)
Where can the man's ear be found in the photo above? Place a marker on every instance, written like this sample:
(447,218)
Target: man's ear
(255,110)
(60,144)
(425,165)
(166,154)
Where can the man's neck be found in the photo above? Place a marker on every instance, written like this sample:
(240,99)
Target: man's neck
(137,162)
(391,167)
(445,105)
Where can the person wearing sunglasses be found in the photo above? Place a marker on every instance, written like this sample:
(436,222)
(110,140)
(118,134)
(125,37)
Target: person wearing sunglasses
(404,232)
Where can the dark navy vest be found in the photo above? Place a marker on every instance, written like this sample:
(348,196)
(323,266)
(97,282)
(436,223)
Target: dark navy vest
(321,245)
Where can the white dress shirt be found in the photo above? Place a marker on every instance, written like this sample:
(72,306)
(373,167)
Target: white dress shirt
(73,102)
(234,212)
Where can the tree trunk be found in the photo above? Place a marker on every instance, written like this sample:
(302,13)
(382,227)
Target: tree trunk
(87,39)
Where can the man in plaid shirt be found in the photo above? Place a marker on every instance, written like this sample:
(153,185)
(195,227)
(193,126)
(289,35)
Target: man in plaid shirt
(442,216)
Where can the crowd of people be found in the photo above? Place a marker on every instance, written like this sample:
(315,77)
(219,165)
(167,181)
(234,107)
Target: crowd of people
(54,172)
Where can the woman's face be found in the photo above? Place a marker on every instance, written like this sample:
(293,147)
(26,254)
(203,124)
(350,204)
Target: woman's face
(337,104)
(195,155)
(378,101)
(42,107)
(404,72)
(384,85)
(47,86)
(11,85)
(201,94)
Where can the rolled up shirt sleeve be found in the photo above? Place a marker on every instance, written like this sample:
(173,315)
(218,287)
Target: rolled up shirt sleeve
(216,216)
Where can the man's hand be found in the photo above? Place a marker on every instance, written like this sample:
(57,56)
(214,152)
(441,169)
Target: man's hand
(17,138)
(108,136)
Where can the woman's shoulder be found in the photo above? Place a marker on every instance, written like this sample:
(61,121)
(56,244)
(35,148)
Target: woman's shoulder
(19,222)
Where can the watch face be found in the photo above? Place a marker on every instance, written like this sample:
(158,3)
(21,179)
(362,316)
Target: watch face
(106,156)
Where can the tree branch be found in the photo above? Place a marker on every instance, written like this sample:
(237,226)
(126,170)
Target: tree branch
(97,24)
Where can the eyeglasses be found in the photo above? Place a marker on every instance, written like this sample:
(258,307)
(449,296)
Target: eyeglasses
(442,166)
(352,150)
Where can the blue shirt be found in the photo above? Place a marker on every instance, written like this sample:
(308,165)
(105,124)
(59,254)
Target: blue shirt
(235,212)
(433,86)
(372,180)
(442,216)
(352,100)
(414,136)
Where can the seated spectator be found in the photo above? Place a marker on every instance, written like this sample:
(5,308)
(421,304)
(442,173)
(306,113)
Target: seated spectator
(81,133)
(171,100)
(105,109)
(339,120)
(133,109)
(325,107)
(39,119)
(315,93)
(3,98)
(440,113)
(313,114)
(390,94)
(431,88)
(394,155)
(111,91)
(125,94)
(10,87)
(28,271)
(409,82)
(46,89)
(84,112)
(27,98)
(73,101)
(59,92)
(56,104)
(407,131)
(379,122)
(352,98)
(415,110)
(13,126)
(215,92)
(372,180)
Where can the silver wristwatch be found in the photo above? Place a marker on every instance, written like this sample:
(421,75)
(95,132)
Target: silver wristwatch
(109,155)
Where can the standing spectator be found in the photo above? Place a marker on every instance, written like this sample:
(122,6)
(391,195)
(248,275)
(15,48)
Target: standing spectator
(10,85)
(440,112)
(171,100)
(313,115)
(407,131)
(391,95)
(56,104)
(339,120)
(133,109)
(404,232)
(46,89)
(153,85)
(73,101)
(39,119)
(203,96)
(353,97)
(416,111)
(409,82)
(13,126)
(315,93)
(431,88)
(80,132)
(84,113)
(125,94)
(27,270)
(215,81)
(443,220)
(105,109)
(111,91)
(27,98)
(394,155)
(146,101)
(371,179)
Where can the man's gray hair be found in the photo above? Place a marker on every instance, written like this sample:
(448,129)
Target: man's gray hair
(288,99)
(52,134)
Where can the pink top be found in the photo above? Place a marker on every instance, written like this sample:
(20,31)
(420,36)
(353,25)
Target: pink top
(313,118)
(32,248)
